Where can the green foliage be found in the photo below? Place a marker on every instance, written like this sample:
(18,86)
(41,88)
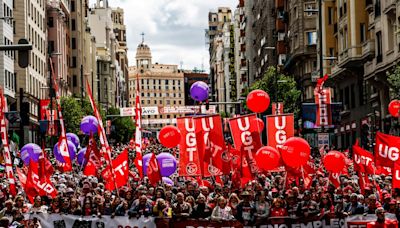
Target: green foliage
(123,127)
(286,90)
(394,80)
(74,110)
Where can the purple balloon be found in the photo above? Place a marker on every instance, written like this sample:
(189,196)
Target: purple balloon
(199,91)
(81,156)
(73,138)
(145,162)
(167,164)
(89,125)
(167,180)
(30,151)
(71,150)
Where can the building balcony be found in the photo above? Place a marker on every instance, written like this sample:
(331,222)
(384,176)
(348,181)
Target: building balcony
(368,49)
(369,5)
(280,25)
(350,58)
(280,4)
(389,6)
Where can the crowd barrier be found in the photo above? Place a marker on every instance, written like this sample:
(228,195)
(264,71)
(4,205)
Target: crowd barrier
(72,221)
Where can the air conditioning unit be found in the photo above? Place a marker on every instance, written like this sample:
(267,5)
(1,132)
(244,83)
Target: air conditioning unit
(282,59)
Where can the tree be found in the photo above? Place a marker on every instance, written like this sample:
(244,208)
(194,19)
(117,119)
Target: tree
(123,127)
(286,90)
(74,110)
(394,81)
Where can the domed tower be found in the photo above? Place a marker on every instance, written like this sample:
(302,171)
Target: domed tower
(143,57)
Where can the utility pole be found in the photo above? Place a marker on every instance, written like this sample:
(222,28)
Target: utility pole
(82,85)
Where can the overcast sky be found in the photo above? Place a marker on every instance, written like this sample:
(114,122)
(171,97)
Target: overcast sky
(175,29)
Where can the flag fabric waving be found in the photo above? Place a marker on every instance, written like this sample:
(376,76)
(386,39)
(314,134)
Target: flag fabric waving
(6,147)
(121,169)
(153,171)
(363,160)
(62,143)
(138,130)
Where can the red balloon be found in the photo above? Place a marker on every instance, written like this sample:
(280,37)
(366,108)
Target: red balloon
(295,152)
(258,125)
(394,108)
(267,158)
(334,161)
(258,101)
(170,136)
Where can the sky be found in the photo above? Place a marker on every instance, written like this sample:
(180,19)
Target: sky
(174,29)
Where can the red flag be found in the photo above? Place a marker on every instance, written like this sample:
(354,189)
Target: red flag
(92,159)
(138,131)
(38,185)
(120,166)
(279,129)
(363,160)
(396,176)
(239,164)
(334,178)
(211,145)
(153,171)
(189,164)
(6,148)
(246,138)
(62,143)
(387,149)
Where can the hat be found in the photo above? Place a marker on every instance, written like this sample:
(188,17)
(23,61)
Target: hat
(387,196)
(392,202)
(70,190)
(245,193)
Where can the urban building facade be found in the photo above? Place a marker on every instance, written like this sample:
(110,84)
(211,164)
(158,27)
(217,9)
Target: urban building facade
(160,85)
(30,23)
(109,72)
(9,81)
(59,49)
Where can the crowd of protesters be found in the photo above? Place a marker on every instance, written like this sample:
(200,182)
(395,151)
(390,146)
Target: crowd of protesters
(266,197)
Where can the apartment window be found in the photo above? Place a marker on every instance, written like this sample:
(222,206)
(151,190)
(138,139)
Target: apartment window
(166,82)
(50,22)
(330,15)
(51,46)
(74,81)
(311,38)
(377,8)
(73,61)
(391,28)
(73,41)
(363,32)
(379,47)
(73,24)
(72,6)
(104,67)
(309,6)
(347,98)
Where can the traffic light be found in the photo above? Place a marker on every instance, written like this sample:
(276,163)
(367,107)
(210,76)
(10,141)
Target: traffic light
(23,55)
(25,113)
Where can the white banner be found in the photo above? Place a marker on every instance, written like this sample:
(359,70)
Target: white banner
(158,121)
(154,110)
(73,221)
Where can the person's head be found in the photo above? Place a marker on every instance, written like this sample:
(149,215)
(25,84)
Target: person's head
(372,200)
(37,201)
(190,200)
(85,189)
(261,196)
(201,199)
(180,197)
(325,200)
(361,198)
(19,201)
(221,202)
(245,196)
(307,195)
(142,200)
(204,190)
(277,203)
(380,214)
(161,203)
(234,199)
(8,204)
(353,198)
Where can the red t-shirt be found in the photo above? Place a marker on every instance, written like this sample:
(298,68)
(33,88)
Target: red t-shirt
(388,224)
(278,212)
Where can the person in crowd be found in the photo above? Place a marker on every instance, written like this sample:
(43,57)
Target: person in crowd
(262,207)
(7,210)
(246,209)
(307,207)
(222,212)
(181,209)
(142,208)
(278,209)
(353,207)
(233,202)
(201,210)
(381,221)
(162,209)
